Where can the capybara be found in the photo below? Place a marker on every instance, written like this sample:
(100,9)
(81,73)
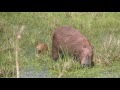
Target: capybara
(41,48)
(67,39)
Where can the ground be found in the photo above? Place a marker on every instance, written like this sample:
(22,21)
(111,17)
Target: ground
(102,28)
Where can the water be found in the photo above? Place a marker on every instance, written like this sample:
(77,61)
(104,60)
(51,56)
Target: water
(109,74)
(32,73)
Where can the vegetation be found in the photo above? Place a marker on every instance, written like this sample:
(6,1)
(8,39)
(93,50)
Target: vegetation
(102,28)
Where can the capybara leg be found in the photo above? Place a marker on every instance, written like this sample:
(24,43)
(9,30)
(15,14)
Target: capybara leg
(55,53)
(76,57)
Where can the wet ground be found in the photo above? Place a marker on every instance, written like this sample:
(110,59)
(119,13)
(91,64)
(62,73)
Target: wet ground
(33,73)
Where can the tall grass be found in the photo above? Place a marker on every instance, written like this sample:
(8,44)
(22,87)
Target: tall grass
(102,28)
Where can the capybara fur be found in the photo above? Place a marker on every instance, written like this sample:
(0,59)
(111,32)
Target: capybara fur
(68,39)
(41,48)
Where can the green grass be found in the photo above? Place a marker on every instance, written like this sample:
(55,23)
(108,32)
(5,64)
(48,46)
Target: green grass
(102,28)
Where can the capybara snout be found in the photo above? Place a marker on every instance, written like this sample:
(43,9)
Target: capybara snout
(86,57)
(70,40)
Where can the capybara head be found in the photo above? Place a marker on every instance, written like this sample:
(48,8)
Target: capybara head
(86,56)
(70,40)
(41,47)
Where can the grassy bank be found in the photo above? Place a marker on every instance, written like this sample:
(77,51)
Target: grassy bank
(102,28)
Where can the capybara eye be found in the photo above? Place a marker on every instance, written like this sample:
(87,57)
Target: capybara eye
(84,46)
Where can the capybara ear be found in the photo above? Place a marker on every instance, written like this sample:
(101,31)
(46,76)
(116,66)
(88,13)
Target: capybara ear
(92,47)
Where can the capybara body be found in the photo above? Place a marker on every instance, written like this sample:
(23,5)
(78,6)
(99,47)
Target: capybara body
(70,40)
(41,48)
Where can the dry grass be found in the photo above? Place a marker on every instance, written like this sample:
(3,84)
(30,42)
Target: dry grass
(18,37)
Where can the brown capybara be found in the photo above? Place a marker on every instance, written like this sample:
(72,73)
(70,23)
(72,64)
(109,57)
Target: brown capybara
(41,48)
(70,40)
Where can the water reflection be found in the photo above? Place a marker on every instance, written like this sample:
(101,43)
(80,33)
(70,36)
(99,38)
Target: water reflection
(33,73)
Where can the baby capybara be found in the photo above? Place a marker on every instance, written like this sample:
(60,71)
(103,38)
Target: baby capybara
(41,48)
(70,40)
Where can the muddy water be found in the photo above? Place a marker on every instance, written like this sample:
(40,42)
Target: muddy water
(33,73)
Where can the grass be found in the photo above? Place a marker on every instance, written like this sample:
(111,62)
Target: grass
(102,28)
